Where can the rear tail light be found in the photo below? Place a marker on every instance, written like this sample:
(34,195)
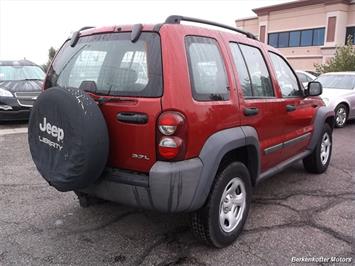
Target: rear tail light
(169,147)
(167,130)
(171,136)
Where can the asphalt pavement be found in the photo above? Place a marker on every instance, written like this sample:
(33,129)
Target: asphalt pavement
(294,217)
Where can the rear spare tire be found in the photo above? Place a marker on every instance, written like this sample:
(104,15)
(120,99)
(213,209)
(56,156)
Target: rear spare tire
(68,138)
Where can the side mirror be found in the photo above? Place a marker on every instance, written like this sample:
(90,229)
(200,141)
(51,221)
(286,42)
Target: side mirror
(314,88)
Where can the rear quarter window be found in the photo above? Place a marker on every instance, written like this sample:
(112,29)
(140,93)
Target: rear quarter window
(207,70)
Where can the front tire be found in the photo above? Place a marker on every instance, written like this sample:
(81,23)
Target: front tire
(221,220)
(341,115)
(318,161)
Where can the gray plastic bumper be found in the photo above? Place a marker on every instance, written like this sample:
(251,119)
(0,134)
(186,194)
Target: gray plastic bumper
(169,187)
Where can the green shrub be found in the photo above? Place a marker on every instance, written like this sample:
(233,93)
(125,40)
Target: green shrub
(344,60)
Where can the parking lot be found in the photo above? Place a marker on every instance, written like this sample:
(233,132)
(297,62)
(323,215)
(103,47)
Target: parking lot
(293,214)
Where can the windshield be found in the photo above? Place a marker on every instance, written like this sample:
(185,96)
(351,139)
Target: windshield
(13,73)
(342,82)
(111,64)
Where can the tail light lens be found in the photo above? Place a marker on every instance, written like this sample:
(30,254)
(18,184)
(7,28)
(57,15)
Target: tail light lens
(169,147)
(171,136)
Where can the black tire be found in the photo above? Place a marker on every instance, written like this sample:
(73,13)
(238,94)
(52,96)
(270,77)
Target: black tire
(68,138)
(313,162)
(340,111)
(205,222)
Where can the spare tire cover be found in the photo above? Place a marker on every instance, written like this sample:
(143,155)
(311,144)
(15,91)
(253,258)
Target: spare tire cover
(68,138)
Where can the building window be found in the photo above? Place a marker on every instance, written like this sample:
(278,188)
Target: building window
(331,29)
(283,39)
(262,33)
(295,38)
(273,39)
(318,37)
(350,32)
(310,37)
(306,38)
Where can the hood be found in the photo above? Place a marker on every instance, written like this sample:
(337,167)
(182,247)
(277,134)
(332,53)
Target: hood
(22,85)
(335,93)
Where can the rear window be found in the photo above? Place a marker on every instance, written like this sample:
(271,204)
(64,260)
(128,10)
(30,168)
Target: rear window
(111,64)
(342,82)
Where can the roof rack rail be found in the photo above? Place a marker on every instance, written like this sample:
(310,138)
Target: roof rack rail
(86,28)
(175,19)
(76,35)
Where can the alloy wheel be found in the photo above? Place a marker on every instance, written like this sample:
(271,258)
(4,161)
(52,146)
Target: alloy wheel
(232,205)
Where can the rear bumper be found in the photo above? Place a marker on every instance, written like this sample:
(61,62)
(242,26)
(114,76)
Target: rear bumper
(169,187)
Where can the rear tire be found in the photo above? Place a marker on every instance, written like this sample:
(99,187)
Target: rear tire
(318,161)
(221,220)
(341,115)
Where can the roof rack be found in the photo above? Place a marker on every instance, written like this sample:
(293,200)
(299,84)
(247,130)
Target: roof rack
(175,19)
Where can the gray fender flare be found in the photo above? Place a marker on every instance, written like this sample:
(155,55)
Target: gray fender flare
(212,153)
(323,113)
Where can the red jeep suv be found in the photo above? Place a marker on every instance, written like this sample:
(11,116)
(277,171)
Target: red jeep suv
(175,118)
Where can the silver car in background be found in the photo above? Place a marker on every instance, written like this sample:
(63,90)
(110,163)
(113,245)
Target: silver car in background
(339,94)
(305,77)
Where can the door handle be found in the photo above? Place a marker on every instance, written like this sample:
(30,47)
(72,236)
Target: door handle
(251,111)
(290,108)
(133,118)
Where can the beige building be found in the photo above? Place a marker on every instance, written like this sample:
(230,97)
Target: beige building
(306,31)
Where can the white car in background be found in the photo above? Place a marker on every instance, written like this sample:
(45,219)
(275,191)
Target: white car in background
(339,94)
(305,77)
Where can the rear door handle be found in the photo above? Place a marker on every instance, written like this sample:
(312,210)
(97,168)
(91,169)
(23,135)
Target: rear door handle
(290,108)
(132,118)
(251,111)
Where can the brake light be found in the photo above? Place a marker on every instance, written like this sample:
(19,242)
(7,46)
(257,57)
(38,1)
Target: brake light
(171,136)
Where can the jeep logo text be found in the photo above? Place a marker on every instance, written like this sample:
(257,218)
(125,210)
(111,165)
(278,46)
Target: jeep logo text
(52,130)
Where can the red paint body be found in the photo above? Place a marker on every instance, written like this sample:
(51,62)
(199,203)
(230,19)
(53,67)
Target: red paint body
(273,124)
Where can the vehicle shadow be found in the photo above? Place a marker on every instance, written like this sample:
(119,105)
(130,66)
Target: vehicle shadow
(13,124)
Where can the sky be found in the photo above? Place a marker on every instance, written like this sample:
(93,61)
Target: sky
(29,28)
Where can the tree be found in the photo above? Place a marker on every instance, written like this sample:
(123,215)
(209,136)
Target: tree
(51,54)
(344,59)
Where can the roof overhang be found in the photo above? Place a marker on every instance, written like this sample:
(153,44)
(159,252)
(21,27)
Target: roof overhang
(262,11)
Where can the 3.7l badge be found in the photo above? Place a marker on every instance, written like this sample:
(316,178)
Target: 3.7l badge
(140,156)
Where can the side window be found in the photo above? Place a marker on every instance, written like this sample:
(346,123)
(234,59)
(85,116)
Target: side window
(259,74)
(309,79)
(285,76)
(302,77)
(242,70)
(207,71)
